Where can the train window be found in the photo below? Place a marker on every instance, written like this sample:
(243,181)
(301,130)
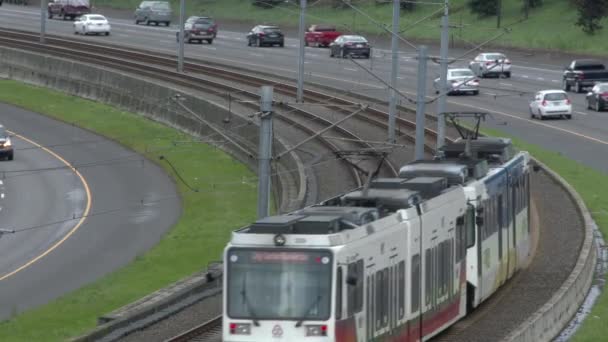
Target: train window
(385,298)
(379,303)
(470,227)
(427,278)
(339,282)
(440,268)
(355,292)
(370,307)
(499,221)
(415,283)
(401,287)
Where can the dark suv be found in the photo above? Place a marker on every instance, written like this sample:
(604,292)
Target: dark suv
(156,12)
(6,147)
(199,29)
(68,9)
(265,35)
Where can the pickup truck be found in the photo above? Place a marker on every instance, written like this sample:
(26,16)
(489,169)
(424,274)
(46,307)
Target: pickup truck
(68,9)
(583,73)
(320,35)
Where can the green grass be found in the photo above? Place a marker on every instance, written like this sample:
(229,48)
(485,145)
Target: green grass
(592,186)
(224,203)
(549,27)
(208,216)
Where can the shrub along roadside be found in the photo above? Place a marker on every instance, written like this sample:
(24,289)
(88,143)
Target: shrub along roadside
(226,201)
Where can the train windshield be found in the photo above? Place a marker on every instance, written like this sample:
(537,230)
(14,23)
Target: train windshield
(279,284)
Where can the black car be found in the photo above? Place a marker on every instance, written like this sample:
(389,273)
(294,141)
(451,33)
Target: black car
(199,29)
(347,45)
(6,146)
(265,35)
(597,98)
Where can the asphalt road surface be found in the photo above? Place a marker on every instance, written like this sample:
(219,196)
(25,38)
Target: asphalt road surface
(81,205)
(584,138)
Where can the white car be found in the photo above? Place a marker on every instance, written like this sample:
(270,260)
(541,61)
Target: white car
(493,63)
(459,81)
(551,103)
(92,23)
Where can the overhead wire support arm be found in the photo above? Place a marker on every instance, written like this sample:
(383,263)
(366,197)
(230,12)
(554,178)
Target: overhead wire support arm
(322,131)
(6,231)
(393,32)
(176,99)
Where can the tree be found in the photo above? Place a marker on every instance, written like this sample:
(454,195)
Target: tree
(590,12)
(484,8)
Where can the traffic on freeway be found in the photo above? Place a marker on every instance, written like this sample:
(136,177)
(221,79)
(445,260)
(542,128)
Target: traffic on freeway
(507,99)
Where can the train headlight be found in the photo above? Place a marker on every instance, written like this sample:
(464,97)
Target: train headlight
(240,328)
(279,240)
(316,330)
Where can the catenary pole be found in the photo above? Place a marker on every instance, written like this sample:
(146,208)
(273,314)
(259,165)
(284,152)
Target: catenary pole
(443,74)
(420,102)
(43,10)
(182,16)
(300,91)
(392,106)
(265,151)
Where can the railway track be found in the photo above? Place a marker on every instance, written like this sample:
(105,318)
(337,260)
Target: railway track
(206,332)
(242,88)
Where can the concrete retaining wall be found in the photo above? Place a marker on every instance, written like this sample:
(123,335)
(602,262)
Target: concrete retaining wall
(153,100)
(552,317)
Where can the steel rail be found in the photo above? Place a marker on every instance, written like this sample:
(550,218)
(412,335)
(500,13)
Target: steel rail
(169,61)
(198,333)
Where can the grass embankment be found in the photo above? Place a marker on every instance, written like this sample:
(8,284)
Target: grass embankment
(224,203)
(208,217)
(592,185)
(548,27)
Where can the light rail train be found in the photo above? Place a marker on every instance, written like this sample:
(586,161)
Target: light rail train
(400,259)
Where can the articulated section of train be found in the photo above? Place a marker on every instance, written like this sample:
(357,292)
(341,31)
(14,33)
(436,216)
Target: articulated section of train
(400,259)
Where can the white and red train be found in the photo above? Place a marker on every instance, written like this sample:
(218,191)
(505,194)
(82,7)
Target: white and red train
(399,260)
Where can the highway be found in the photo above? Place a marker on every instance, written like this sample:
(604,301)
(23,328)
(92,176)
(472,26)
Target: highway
(583,138)
(82,206)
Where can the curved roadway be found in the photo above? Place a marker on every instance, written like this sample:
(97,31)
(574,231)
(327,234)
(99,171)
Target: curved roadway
(583,138)
(72,225)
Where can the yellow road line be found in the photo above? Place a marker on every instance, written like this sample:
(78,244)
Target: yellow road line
(74,229)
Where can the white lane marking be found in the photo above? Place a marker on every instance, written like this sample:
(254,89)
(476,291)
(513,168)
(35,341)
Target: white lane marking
(256,54)
(350,69)
(555,81)
(2,195)
(506,84)
(524,76)
(581,113)
(540,78)
(399,77)
(580,135)
(1,182)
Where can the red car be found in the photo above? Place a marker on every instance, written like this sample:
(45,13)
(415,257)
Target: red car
(68,9)
(320,35)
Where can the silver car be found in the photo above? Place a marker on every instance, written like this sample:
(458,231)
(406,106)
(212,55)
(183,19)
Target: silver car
(459,81)
(493,63)
(156,12)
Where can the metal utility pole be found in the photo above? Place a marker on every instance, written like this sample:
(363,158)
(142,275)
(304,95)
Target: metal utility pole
(443,75)
(265,151)
(420,102)
(43,10)
(392,105)
(300,92)
(498,13)
(182,16)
